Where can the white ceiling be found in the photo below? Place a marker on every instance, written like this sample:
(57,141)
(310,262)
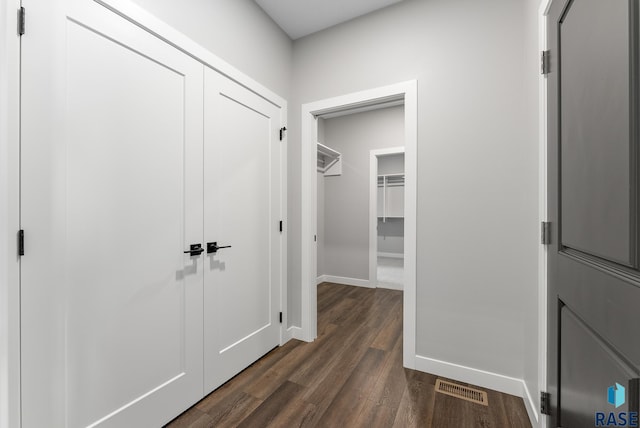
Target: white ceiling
(299,18)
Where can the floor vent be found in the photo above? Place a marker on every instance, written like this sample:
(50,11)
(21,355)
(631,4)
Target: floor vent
(463,392)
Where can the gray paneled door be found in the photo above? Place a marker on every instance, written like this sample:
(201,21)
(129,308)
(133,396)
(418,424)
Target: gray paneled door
(594,276)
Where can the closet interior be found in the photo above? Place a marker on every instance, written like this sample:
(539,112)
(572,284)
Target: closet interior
(390,221)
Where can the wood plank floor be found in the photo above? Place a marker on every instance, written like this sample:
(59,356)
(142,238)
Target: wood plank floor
(350,376)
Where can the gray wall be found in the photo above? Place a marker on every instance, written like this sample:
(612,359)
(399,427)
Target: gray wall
(237,31)
(346,196)
(477,231)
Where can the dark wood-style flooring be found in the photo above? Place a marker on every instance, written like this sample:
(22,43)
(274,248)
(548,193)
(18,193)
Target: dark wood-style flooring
(350,376)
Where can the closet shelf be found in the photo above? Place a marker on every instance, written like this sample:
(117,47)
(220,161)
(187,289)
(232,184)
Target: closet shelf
(391,179)
(329,160)
(327,151)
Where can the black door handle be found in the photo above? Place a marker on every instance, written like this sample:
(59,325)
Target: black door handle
(212,247)
(195,250)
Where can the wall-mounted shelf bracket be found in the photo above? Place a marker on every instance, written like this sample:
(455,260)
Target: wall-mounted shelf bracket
(329,161)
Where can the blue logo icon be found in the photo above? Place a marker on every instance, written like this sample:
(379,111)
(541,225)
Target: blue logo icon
(616,395)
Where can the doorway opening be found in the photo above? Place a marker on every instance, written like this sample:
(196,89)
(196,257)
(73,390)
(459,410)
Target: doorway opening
(404,94)
(386,218)
(360,205)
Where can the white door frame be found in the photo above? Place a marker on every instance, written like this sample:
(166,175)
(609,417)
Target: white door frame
(407,91)
(373,209)
(543,11)
(9,215)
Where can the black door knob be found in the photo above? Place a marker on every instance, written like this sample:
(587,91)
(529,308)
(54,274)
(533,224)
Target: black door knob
(212,247)
(195,250)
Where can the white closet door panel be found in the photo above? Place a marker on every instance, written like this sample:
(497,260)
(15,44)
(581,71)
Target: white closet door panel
(242,209)
(112,195)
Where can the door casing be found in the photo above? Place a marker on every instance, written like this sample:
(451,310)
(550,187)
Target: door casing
(9,215)
(543,11)
(407,91)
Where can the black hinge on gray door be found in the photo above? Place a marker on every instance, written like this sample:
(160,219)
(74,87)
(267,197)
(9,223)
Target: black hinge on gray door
(545,232)
(545,66)
(280,225)
(21,242)
(21,14)
(545,403)
(282,130)
(280,317)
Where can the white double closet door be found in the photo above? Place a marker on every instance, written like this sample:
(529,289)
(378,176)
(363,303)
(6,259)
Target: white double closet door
(131,152)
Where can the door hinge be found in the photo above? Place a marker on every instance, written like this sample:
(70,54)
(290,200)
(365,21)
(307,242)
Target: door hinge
(280,225)
(545,232)
(545,66)
(545,403)
(21,14)
(280,317)
(21,242)
(282,130)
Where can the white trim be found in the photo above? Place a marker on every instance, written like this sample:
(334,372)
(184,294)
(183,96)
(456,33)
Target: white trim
(391,255)
(346,281)
(285,226)
(409,91)
(321,279)
(373,208)
(542,422)
(9,216)
(530,405)
(485,379)
(389,285)
(293,332)
(362,109)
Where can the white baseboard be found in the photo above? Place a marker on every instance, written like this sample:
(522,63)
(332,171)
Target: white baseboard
(321,279)
(392,255)
(482,378)
(292,332)
(345,281)
(390,286)
(531,407)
